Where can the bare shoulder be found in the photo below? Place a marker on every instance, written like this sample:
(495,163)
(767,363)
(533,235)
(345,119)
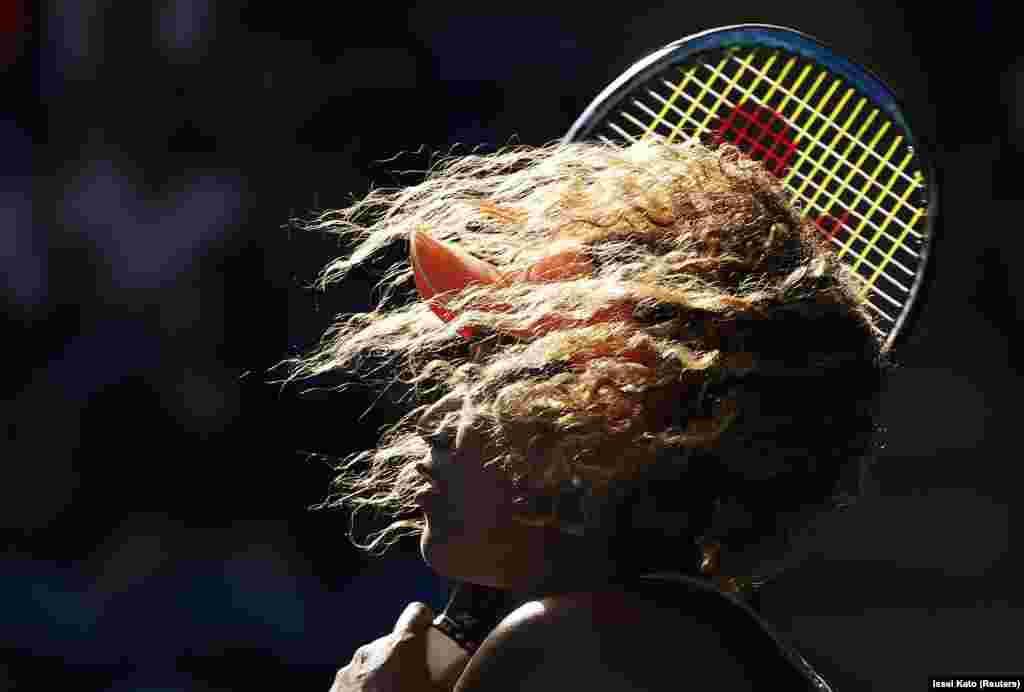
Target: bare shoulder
(597,640)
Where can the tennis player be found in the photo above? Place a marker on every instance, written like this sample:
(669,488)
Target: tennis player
(642,374)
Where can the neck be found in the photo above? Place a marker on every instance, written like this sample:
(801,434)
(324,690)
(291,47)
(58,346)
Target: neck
(567,564)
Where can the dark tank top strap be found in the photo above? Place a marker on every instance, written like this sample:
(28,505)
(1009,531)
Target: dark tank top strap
(762,652)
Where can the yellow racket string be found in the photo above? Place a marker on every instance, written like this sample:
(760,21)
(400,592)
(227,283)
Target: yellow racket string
(889,217)
(782,77)
(731,84)
(679,123)
(871,202)
(888,255)
(831,200)
(805,152)
(871,180)
(668,104)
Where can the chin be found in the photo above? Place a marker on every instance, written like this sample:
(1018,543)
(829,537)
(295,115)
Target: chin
(435,551)
(446,557)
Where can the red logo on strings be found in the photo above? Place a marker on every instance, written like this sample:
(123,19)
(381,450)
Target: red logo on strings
(761,133)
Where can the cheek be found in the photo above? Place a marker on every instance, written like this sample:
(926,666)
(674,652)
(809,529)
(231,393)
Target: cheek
(468,525)
(478,496)
(473,505)
(457,543)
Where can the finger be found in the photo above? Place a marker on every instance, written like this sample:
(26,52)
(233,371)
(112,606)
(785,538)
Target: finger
(415,618)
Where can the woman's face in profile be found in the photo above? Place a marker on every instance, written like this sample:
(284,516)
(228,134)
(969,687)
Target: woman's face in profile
(470,534)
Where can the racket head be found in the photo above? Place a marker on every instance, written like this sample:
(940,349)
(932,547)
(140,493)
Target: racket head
(830,129)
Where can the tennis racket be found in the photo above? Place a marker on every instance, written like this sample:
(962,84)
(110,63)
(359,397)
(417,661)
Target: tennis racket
(828,128)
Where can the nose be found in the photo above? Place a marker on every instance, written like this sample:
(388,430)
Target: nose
(443,414)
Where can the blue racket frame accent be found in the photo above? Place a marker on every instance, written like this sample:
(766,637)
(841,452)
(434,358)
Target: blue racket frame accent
(762,35)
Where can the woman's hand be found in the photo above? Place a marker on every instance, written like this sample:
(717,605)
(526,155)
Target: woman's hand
(396,662)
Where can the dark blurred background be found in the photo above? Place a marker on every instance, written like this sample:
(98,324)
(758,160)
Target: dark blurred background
(154,498)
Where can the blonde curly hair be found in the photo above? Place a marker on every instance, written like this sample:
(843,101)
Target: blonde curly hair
(713,356)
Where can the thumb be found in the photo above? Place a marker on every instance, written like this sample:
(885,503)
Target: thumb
(415,618)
